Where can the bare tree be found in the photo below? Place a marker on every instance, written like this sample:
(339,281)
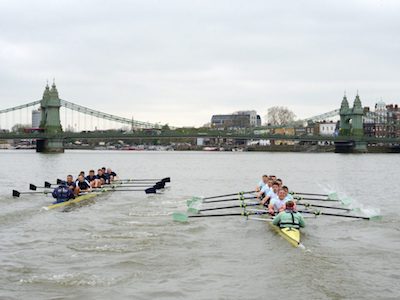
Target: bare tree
(280,115)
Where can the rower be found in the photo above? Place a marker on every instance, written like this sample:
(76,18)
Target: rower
(106,176)
(280,182)
(93,179)
(289,218)
(288,196)
(82,185)
(100,175)
(111,174)
(71,184)
(277,204)
(62,193)
(263,182)
(272,193)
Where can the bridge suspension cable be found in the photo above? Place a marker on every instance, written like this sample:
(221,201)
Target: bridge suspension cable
(106,116)
(324,116)
(20,107)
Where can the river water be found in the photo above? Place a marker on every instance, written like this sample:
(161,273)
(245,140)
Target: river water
(126,246)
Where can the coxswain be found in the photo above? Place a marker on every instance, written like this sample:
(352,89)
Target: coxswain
(272,193)
(82,185)
(263,182)
(62,193)
(289,218)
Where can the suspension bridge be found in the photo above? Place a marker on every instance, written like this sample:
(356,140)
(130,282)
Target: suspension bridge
(52,121)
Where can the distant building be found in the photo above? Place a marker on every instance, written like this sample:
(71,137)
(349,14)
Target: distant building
(327,128)
(36,117)
(236,120)
(383,122)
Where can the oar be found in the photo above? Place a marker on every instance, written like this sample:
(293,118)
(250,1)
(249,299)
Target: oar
(166,179)
(323,206)
(377,217)
(344,201)
(315,199)
(182,217)
(196,200)
(331,196)
(160,184)
(17,194)
(48,184)
(151,190)
(226,195)
(196,211)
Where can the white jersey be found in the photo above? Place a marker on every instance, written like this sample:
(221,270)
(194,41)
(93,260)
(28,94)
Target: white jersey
(261,184)
(271,195)
(277,203)
(289,197)
(265,189)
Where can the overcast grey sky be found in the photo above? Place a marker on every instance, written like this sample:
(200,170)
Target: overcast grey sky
(179,62)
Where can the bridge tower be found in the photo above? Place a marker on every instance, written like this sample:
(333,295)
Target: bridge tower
(351,126)
(43,106)
(50,122)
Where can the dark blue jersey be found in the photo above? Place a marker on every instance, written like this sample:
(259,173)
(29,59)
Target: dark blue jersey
(62,194)
(84,185)
(91,178)
(71,184)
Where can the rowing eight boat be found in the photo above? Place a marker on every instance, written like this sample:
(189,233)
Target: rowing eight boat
(81,198)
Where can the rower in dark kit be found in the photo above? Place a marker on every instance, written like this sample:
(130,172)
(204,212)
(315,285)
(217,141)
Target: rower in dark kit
(82,185)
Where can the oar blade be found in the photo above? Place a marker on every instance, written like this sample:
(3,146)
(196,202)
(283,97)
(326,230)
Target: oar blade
(180,217)
(193,210)
(159,185)
(333,196)
(16,193)
(59,181)
(32,187)
(346,201)
(47,184)
(193,200)
(166,179)
(150,191)
(375,218)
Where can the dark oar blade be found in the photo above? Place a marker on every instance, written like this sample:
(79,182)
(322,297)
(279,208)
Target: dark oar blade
(159,186)
(32,187)
(166,179)
(150,191)
(59,181)
(16,193)
(47,184)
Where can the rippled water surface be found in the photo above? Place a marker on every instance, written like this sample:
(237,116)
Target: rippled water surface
(126,246)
